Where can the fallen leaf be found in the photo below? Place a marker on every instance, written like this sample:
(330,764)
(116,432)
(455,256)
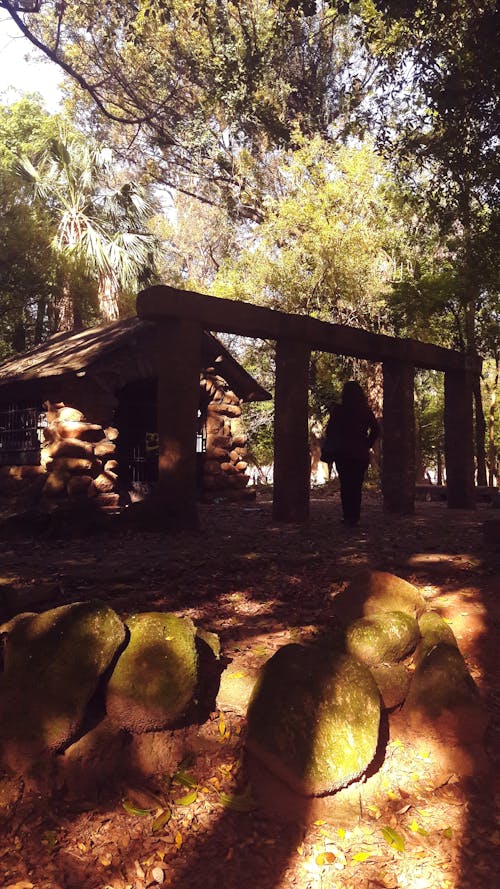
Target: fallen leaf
(324,858)
(21,884)
(243,802)
(161,820)
(178,840)
(393,838)
(361,856)
(134,810)
(188,799)
(184,779)
(158,875)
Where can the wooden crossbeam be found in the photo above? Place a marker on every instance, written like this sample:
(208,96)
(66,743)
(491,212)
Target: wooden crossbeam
(231,316)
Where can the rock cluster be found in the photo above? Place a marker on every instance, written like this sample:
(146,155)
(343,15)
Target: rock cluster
(60,665)
(224,468)
(79,458)
(314,711)
(313,718)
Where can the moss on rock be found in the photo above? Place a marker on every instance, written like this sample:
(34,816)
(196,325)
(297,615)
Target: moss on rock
(434,630)
(52,666)
(155,677)
(373,591)
(384,638)
(313,718)
(393,681)
(443,698)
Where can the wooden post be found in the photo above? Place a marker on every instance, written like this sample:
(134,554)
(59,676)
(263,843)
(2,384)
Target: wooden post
(458,439)
(398,438)
(292,462)
(178,361)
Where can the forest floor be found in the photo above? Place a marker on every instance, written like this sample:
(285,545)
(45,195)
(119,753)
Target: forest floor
(411,824)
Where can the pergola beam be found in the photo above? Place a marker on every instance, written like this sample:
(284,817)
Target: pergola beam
(183,315)
(229,316)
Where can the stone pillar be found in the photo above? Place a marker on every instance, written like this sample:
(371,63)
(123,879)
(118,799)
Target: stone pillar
(398,439)
(292,462)
(458,439)
(178,362)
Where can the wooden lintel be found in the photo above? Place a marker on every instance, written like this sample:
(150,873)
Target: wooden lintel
(231,316)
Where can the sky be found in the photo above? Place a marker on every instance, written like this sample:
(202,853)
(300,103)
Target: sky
(18,75)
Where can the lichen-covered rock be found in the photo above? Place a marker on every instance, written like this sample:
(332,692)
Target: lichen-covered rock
(236,687)
(313,718)
(384,638)
(210,639)
(155,677)
(53,663)
(373,591)
(434,630)
(393,681)
(443,700)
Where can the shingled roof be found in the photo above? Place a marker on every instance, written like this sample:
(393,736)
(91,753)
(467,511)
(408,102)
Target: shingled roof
(70,353)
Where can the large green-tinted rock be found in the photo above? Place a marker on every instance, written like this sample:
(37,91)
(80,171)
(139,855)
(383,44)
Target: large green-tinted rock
(434,630)
(443,700)
(53,663)
(393,681)
(236,687)
(373,591)
(384,638)
(155,677)
(313,718)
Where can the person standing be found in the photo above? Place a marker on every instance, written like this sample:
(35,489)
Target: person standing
(351,432)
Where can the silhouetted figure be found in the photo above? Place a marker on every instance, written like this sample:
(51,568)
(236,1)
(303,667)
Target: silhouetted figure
(350,433)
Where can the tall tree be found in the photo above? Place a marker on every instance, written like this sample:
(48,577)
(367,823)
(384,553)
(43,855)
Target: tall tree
(443,58)
(100,226)
(202,80)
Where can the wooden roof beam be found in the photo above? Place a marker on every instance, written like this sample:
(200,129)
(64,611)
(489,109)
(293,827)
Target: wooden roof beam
(246,319)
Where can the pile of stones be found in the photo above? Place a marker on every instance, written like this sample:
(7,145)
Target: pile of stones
(79,672)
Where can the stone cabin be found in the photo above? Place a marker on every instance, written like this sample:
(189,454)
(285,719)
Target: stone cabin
(78,417)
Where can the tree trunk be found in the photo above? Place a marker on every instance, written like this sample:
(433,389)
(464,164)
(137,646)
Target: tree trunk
(66,315)
(480,422)
(439,460)
(108,298)
(492,454)
(41,307)
(419,464)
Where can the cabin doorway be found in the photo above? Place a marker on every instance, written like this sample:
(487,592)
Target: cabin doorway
(137,445)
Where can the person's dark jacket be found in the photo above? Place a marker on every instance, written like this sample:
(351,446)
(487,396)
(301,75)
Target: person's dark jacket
(351,434)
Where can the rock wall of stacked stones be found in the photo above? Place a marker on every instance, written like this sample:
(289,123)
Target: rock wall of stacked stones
(225,464)
(79,458)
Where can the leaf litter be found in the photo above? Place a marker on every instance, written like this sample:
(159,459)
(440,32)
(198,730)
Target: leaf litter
(218,830)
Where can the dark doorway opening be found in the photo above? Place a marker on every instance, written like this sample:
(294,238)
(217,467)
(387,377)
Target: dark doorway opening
(137,445)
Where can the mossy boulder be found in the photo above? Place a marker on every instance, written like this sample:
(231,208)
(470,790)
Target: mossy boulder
(373,591)
(443,700)
(393,681)
(155,677)
(53,663)
(236,687)
(313,718)
(433,630)
(384,638)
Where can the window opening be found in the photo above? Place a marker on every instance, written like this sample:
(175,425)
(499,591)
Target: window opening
(21,434)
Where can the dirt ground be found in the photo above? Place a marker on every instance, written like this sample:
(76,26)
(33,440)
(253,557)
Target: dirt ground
(217,820)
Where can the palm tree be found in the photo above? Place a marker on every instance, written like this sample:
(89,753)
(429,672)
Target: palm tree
(100,223)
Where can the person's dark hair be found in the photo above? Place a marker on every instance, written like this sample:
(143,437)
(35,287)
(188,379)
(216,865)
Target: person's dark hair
(353,397)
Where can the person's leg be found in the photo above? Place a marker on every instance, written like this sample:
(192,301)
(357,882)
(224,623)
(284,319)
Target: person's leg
(353,475)
(343,473)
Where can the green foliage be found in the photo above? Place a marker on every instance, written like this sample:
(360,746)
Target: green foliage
(207,80)
(323,247)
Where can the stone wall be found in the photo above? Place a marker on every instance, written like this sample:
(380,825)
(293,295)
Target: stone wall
(225,464)
(78,457)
